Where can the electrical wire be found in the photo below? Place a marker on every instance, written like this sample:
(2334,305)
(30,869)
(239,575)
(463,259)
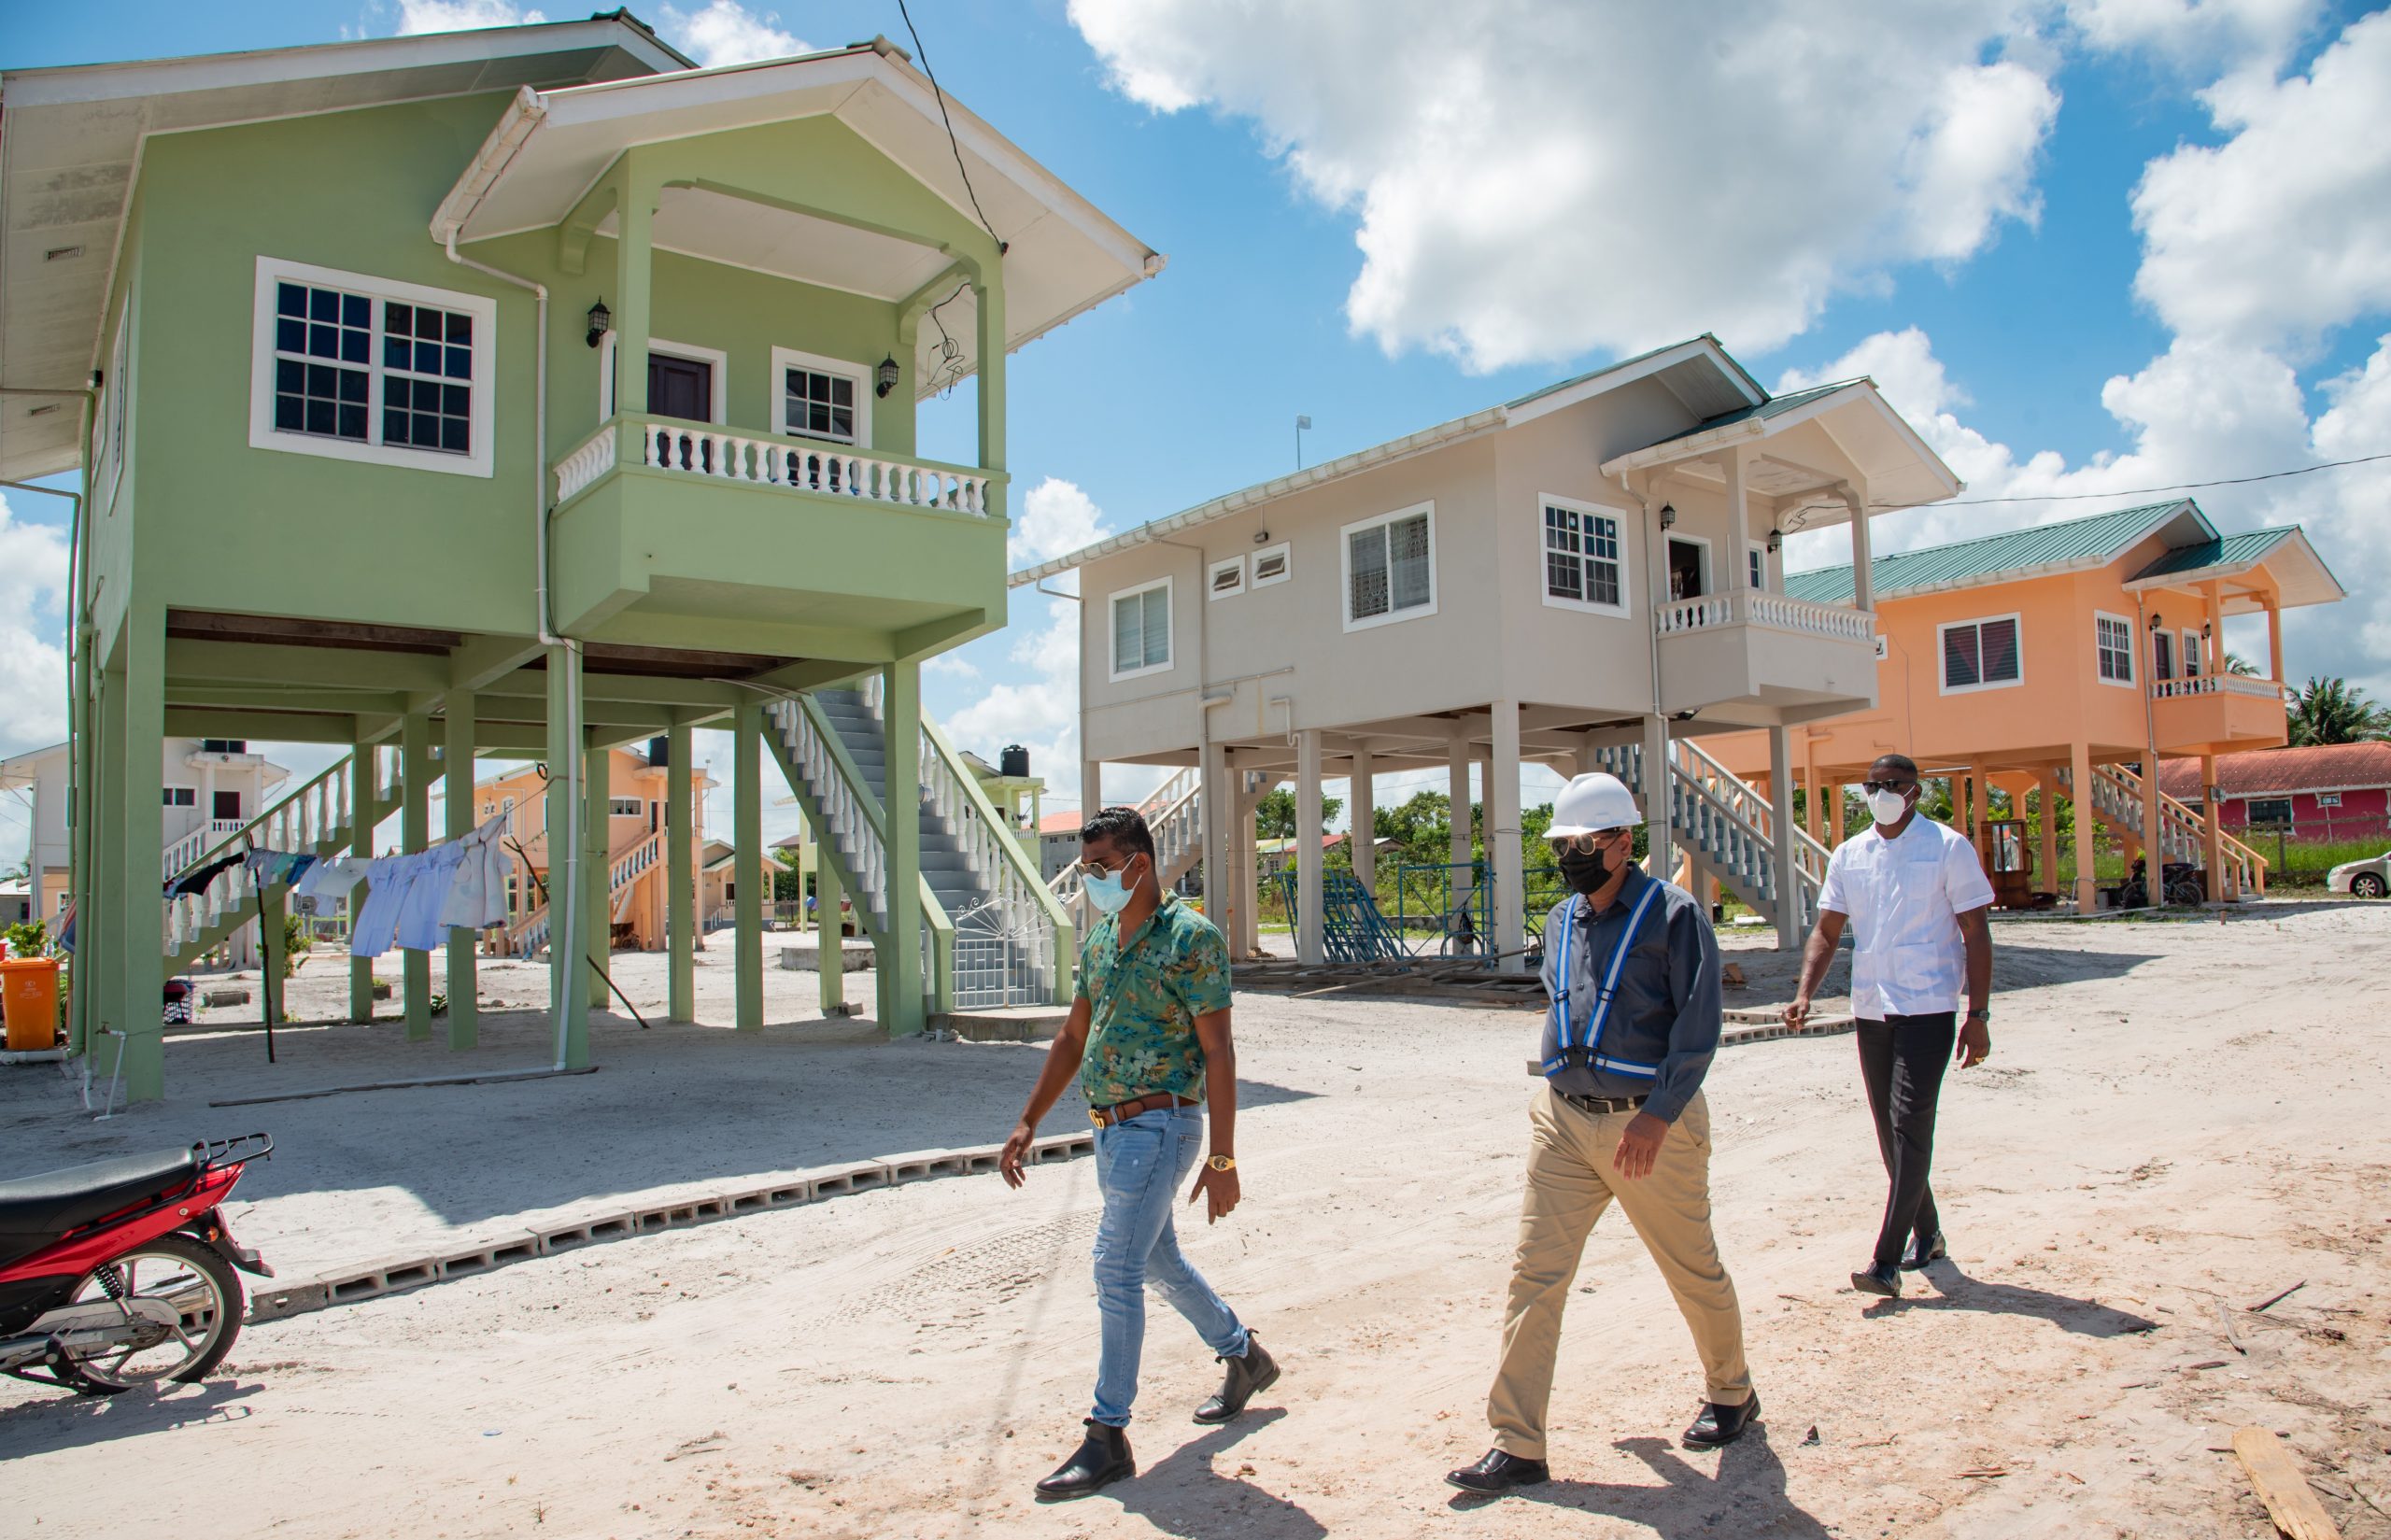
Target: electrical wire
(2148,491)
(923,54)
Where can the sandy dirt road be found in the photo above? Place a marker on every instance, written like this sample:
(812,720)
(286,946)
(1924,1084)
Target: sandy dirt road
(2179,1120)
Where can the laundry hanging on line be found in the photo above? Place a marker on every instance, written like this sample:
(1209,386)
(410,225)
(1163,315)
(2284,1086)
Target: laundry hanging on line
(411,900)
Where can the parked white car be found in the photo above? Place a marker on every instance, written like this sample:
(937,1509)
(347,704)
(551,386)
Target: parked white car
(2366,879)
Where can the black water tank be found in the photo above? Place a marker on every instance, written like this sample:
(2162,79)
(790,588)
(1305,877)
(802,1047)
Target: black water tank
(660,751)
(1014,762)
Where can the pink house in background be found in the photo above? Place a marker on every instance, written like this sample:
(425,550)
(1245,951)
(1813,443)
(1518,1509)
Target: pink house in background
(2312,789)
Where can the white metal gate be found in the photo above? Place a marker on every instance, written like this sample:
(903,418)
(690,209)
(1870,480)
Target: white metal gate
(997,956)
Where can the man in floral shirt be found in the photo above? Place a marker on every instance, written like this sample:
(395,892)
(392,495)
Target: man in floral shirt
(1148,1038)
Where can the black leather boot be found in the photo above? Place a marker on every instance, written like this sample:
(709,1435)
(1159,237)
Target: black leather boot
(1255,1371)
(1497,1473)
(1882,1278)
(1715,1424)
(1103,1458)
(1923,1250)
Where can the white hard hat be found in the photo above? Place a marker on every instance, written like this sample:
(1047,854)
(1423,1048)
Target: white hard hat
(1594,804)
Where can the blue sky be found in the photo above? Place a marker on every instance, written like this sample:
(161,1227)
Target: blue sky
(1385,213)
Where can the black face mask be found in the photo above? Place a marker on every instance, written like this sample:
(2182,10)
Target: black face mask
(1586,874)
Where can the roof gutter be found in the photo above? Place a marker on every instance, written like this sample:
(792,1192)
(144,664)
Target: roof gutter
(514,128)
(1221,507)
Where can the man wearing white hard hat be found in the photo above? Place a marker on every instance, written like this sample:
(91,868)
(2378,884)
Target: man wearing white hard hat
(1631,969)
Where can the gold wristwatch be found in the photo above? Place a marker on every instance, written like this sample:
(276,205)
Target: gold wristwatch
(1221,1163)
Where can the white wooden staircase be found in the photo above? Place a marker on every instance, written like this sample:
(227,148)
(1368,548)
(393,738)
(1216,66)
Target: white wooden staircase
(2182,829)
(316,818)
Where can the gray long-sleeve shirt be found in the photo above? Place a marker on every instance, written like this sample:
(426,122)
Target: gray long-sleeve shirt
(1664,1022)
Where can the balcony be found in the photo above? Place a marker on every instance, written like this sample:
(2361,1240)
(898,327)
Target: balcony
(661,522)
(2216,714)
(1783,659)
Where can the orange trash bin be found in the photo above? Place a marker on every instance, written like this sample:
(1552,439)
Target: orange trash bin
(29,1001)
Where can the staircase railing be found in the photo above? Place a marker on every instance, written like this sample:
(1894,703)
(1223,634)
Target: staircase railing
(529,934)
(1174,812)
(314,817)
(2116,800)
(824,776)
(997,860)
(1726,822)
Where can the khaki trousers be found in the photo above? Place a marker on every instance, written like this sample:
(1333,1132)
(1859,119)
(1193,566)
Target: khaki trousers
(1570,1180)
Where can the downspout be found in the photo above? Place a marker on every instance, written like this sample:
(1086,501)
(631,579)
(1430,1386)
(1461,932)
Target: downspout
(567,941)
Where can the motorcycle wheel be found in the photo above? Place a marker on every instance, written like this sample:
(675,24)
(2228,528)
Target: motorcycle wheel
(205,1294)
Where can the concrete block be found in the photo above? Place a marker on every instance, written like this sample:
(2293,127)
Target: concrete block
(806,957)
(977,1158)
(1054,1147)
(917,1164)
(296,1296)
(224,996)
(497,1252)
(381,1277)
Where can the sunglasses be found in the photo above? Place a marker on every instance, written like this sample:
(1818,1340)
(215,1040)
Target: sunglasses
(1872,788)
(1576,844)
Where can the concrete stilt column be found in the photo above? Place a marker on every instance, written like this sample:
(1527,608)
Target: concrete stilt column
(274,904)
(1503,850)
(1311,945)
(414,835)
(1249,874)
(139,955)
(680,878)
(2083,832)
(1216,805)
(2212,837)
(2046,815)
(901,1009)
(1791,920)
(747,838)
(1458,851)
(457,790)
(1660,856)
(829,929)
(363,786)
(1362,806)
(1091,788)
(568,976)
(597,863)
(2154,847)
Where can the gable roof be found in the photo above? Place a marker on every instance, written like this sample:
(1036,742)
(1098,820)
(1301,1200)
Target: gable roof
(1698,371)
(70,150)
(2072,545)
(2277,772)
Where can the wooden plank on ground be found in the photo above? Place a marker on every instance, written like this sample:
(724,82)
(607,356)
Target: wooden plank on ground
(2282,1487)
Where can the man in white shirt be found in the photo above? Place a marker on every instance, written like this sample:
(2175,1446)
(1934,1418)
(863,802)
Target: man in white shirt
(1916,898)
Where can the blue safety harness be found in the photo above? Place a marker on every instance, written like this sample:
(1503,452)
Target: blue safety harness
(1589,1052)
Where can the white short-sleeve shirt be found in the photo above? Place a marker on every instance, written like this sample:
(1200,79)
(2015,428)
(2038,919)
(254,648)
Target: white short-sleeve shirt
(1903,896)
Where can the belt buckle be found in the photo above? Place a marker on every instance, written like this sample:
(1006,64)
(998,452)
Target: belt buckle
(1095,1116)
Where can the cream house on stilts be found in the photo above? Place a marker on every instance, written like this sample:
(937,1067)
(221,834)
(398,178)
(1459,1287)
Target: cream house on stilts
(1585,578)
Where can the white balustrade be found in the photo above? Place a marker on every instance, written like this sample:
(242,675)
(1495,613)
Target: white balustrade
(842,804)
(311,819)
(1719,814)
(1775,612)
(725,455)
(591,459)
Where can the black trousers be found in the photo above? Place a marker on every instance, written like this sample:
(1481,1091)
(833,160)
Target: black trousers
(1901,1058)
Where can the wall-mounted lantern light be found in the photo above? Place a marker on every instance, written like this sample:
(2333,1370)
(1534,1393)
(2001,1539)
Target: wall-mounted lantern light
(601,320)
(1776,541)
(885,378)
(1668,516)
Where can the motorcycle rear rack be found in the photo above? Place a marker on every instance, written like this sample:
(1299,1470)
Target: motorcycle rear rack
(239,1148)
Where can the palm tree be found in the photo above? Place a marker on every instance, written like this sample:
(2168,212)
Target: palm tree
(2236,663)
(2332,711)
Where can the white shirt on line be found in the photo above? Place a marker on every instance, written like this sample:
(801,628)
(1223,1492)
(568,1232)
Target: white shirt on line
(1903,896)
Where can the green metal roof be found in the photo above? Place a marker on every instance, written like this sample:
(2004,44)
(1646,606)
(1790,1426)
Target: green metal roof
(1613,367)
(2230,551)
(1988,558)
(1769,408)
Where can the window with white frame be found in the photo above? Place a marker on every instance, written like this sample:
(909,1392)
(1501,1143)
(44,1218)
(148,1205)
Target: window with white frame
(2329,799)
(355,367)
(2270,812)
(1756,567)
(818,398)
(2191,655)
(2162,650)
(1271,565)
(1582,562)
(1142,629)
(1224,579)
(2113,644)
(1980,655)
(182,796)
(627,807)
(1391,566)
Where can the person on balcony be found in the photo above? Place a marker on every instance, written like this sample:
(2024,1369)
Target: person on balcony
(1148,1038)
(1916,897)
(1633,971)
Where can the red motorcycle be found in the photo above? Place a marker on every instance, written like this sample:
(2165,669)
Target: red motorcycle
(119,1273)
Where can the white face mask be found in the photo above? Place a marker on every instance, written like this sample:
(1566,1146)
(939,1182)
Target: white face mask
(1888,806)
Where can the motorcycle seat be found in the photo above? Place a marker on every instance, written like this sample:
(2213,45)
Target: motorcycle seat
(36,1210)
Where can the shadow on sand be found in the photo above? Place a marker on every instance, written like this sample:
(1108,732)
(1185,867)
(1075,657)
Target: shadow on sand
(1746,1497)
(1958,1291)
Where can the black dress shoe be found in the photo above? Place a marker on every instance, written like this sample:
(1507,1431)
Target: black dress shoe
(1716,1425)
(1923,1250)
(1255,1371)
(1103,1458)
(1882,1278)
(1497,1473)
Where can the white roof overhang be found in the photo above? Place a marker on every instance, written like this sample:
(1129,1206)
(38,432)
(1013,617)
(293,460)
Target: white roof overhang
(70,152)
(1900,469)
(2298,574)
(1064,255)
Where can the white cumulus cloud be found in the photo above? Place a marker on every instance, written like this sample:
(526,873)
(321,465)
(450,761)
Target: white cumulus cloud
(2282,232)
(725,31)
(417,16)
(1538,182)
(33,656)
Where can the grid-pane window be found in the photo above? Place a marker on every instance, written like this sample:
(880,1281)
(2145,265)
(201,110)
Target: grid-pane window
(626,807)
(182,796)
(1757,565)
(821,405)
(2191,655)
(358,368)
(2112,639)
(1979,653)
(1142,629)
(1580,556)
(1388,568)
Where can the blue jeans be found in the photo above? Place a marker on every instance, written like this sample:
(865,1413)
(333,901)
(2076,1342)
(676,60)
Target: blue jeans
(1140,1166)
